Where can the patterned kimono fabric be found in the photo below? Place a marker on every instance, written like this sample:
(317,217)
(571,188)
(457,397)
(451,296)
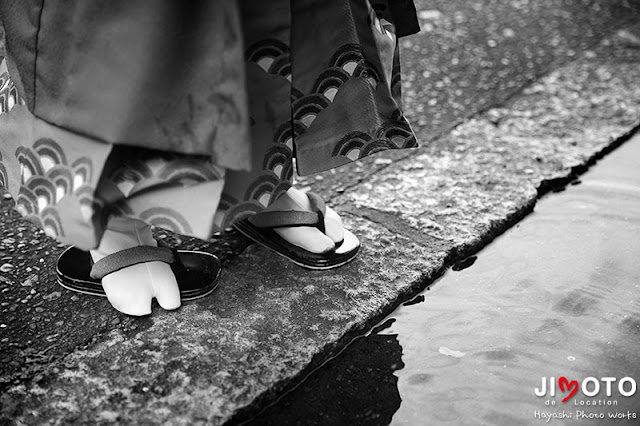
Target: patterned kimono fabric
(187,116)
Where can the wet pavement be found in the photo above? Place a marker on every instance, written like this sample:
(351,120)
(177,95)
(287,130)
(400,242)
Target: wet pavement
(475,54)
(557,296)
(214,358)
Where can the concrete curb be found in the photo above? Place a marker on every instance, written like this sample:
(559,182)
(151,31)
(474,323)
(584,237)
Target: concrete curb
(271,322)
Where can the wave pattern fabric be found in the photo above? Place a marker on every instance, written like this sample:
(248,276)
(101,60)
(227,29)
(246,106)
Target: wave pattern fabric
(188,117)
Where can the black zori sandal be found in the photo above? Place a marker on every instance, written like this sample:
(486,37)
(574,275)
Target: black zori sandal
(260,228)
(197,273)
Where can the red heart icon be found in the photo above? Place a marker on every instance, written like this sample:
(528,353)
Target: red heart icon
(562,381)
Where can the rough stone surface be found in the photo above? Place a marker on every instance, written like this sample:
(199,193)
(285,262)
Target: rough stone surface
(501,159)
(199,364)
(271,322)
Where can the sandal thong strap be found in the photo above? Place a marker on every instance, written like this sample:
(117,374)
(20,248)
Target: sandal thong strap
(128,257)
(293,218)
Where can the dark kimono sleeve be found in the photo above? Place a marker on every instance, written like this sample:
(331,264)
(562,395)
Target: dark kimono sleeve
(404,17)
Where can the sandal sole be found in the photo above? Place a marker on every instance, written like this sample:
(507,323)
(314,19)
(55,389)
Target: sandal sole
(74,265)
(345,253)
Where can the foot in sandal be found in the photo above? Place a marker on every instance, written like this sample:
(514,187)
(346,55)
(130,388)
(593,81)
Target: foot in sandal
(131,289)
(301,228)
(308,237)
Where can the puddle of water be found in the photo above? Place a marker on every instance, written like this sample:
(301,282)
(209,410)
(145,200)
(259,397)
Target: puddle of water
(556,296)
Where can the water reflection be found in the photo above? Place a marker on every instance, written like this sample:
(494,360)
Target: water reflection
(357,388)
(558,295)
